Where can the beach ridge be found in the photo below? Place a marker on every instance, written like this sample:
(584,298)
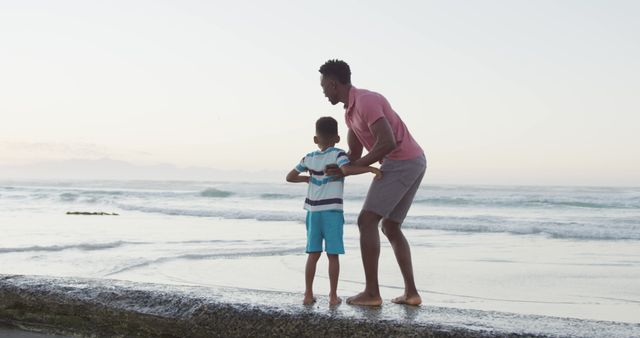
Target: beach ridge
(98,307)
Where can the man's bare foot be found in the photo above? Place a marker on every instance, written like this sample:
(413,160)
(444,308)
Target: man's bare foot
(308,300)
(408,300)
(334,300)
(364,299)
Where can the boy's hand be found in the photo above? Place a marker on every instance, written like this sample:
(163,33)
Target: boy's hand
(377,172)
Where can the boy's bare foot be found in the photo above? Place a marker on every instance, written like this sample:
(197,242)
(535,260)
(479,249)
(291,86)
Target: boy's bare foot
(308,300)
(364,299)
(408,300)
(334,300)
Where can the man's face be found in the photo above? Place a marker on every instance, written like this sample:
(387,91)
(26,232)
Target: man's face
(330,89)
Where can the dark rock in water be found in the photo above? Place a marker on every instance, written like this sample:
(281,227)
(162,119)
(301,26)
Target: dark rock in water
(108,308)
(99,213)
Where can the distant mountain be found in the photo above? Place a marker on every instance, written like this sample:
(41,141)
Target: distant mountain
(109,169)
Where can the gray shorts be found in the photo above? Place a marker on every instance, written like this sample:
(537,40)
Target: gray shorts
(391,196)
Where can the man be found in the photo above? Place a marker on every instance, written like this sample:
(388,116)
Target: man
(375,126)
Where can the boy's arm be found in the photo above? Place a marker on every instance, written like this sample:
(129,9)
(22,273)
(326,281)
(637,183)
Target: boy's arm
(295,177)
(349,169)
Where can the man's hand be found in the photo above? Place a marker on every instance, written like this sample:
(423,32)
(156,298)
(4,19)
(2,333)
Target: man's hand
(333,170)
(378,173)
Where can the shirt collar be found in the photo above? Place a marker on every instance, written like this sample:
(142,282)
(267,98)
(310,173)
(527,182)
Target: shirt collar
(324,151)
(352,99)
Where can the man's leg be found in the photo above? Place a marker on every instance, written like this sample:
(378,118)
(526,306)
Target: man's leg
(370,251)
(309,274)
(401,249)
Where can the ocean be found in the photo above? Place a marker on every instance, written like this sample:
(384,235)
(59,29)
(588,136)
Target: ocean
(554,251)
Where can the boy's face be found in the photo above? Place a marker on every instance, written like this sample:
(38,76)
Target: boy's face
(330,89)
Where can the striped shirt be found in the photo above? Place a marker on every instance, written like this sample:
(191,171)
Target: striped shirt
(325,192)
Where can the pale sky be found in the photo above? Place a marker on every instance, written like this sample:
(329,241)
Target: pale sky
(496,92)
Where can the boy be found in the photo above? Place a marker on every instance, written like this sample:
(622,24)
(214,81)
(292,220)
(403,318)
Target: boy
(325,219)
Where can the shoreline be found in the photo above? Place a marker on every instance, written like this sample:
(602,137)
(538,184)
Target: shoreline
(98,307)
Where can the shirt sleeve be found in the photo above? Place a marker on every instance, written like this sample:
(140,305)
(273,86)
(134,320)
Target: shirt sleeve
(301,167)
(371,109)
(342,159)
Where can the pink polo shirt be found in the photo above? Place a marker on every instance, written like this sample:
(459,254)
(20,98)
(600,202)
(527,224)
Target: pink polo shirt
(366,107)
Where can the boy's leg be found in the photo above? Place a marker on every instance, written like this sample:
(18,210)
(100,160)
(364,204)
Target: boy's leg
(309,274)
(333,228)
(334,273)
(314,249)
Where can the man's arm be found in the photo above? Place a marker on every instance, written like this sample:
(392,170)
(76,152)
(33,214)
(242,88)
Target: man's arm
(355,152)
(355,147)
(385,143)
(295,177)
(349,169)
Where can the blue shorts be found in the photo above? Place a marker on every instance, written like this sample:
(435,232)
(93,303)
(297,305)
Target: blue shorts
(327,226)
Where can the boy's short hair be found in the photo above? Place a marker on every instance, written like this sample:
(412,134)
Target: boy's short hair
(337,69)
(327,126)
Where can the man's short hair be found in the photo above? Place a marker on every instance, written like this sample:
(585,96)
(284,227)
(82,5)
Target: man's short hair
(327,126)
(337,69)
